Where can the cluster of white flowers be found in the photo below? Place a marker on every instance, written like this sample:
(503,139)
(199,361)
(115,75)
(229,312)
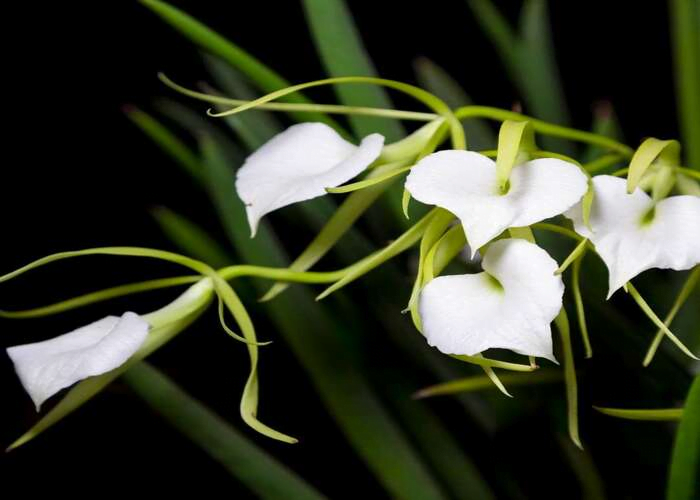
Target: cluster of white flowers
(513,301)
(509,305)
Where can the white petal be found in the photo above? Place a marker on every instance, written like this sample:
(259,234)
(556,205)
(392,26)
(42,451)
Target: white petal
(627,245)
(299,164)
(44,368)
(464,183)
(467,314)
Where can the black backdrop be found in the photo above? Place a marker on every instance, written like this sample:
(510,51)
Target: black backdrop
(75,174)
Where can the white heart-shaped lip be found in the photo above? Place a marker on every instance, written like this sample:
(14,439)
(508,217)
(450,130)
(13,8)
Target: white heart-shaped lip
(299,164)
(630,240)
(464,182)
(510,305)
(44,368)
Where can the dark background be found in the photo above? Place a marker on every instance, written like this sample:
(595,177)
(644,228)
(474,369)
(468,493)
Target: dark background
(77,174)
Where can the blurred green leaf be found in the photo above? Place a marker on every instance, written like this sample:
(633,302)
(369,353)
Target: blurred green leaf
(480,382)
(435,442)
(529,60)
(539,74)
(684,476)
(437,81)
(265,476)
(583,466)
(496,27)
(265,78)
(685,30)
(166,140)
(253,127)
(650,415)
(191,238)
(605,123)
(342,53)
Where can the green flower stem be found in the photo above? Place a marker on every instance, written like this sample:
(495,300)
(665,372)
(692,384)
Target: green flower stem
(437,105)
(602,163)
(543,127)
(303,108)
(283,274)
(480,382)
(580,311)
(369,182)
(193,264)
(493,377)
(437,227)
(493,363)
(683,295)
(99,296)
(562,322)
(573,256)
(400,244)
(653,415)
(338,224)
(222,321)
(655,319)
(689,172)
(440,108)
(553,228)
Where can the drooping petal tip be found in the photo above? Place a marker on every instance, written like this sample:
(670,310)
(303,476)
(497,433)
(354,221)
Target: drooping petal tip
(44,368)
(299,164)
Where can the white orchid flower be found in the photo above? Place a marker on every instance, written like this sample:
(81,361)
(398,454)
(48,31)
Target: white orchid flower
(632,233)
(465,183)
(44,368)
(299,164)
(510,305)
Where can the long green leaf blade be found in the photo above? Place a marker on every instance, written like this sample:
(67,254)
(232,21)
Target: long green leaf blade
(539,74)
(660,414)
(265,476)
(685,29)
(684,477)
(343,54)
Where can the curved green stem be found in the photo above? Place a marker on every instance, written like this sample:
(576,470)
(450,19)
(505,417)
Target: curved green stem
(434,103)
(603,162)
(553,228)
(303,108)
(543,127)
(99,296)
(683,295)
